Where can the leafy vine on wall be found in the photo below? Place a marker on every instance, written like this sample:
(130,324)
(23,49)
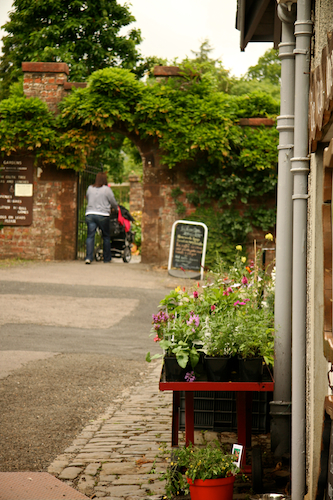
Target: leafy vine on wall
(185,117)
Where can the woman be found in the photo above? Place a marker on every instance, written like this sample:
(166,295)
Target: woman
(100,200)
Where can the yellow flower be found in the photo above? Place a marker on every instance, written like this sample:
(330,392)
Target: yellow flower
(269,237)
(178,289)
(239,248)
(243,260)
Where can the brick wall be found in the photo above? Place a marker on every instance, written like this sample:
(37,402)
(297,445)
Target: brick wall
(52,234)
(136,193)
(160,209)
(46,81)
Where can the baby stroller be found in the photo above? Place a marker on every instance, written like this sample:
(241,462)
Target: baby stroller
(122,237)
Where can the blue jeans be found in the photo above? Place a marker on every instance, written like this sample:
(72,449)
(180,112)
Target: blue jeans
(103,223)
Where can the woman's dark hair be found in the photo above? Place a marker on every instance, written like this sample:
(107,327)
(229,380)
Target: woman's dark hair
(100,180)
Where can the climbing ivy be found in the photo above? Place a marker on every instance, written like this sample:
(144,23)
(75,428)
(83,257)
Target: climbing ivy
(190,122)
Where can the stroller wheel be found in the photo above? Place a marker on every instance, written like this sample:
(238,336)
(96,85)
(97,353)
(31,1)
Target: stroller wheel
(127,255)
(98,254)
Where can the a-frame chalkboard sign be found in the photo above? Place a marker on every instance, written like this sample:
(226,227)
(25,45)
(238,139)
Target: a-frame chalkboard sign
(188,249)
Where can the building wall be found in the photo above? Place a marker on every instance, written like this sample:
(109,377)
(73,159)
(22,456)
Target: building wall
(323,24)
(317,366)
(319,247)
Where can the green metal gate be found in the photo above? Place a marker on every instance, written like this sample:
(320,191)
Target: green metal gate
(86,178)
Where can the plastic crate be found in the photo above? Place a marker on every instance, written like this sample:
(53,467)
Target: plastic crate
(217,411)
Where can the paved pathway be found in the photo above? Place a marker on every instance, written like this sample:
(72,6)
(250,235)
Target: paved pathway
(115,456)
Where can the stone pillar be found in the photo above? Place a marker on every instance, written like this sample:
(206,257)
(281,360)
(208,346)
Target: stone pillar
(136,193)
(46,81)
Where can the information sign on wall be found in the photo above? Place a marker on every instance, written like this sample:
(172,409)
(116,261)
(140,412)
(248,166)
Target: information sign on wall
(16,190)
(188,249)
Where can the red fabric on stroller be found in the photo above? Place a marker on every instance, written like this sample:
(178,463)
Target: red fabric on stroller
(124,222)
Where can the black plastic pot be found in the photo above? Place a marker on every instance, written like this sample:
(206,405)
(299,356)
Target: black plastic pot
(218,368)
(250,369)
(173,371)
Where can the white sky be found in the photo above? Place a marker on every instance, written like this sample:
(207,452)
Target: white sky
(172,28)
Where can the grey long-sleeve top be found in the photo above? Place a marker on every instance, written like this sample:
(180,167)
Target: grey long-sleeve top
(100,200)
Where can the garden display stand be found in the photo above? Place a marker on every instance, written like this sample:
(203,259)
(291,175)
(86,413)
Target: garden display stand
(244,392)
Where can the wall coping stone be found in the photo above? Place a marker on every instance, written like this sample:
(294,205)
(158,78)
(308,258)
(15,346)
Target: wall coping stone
(256,122)
(166,71)
(46,67)
(70,85)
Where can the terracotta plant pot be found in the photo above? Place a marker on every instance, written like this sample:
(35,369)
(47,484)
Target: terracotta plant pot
(212,489)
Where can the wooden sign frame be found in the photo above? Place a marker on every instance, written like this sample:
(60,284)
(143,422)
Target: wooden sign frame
(186,252)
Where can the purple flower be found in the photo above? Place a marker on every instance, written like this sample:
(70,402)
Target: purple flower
(245,280)
(190,377)
(194,318)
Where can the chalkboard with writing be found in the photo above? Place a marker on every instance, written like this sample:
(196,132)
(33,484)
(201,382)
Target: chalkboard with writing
(187,249)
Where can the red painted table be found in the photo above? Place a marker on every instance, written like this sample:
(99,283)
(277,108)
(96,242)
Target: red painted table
(244,392)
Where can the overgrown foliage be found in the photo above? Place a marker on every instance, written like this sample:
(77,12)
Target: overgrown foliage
(187,118)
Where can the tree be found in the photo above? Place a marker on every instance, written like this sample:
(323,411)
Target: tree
(263,76)
(203,66)
(84,34)
(267,68)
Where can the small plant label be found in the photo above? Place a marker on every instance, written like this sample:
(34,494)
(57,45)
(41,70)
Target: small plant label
(237,450)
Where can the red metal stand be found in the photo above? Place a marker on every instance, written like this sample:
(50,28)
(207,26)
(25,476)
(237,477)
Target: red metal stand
(244,407)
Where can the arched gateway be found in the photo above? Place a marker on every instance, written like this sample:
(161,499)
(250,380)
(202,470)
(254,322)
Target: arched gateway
(40,206)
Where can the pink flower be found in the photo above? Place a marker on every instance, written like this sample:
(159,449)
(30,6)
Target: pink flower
(229,289)
(195,294)
(236,303)
(245,280)
(226,293)
(193,319)
(157,339)
(212,308)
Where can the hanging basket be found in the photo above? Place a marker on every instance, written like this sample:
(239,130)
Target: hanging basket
(212,489)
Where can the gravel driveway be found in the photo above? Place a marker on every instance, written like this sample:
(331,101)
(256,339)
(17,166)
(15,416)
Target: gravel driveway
(47,402)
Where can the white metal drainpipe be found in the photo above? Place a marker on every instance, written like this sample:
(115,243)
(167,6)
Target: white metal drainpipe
(280,408)
(300,169)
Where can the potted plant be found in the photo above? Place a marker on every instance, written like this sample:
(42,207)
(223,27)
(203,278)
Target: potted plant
(208,472)
(178,332)
(219,345)
(228,318)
